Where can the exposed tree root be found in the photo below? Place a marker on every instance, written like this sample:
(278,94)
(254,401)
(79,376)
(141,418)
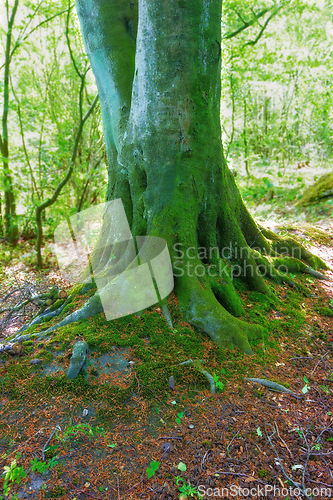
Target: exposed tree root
(204,277)
(204,286)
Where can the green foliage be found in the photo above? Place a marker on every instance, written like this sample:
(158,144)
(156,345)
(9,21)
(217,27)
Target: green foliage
(153,467)
(12,474)
(218,384)
(186,489)
(42,467)
(44,114)
(275,87)
(306,387)
(75,430)
(179,417)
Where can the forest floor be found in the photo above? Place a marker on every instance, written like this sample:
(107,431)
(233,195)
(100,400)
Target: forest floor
(124,434)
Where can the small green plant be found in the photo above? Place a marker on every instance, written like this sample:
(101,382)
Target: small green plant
(73,430)
(42,467)
(181,466)
(317,446)
(179,417)
(112,445)
(50,451)
(218,384)
(38,466)
(153,467)
(300,433)
(186,489)
(12,474)
(259,432)
(306,387)
(325,389)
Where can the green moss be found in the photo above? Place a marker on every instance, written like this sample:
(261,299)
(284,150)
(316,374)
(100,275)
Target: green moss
(56,492)
(325,311)
(285,384)
(262,473)
(322,188)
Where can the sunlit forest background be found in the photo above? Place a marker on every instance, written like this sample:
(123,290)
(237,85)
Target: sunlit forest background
(276,112)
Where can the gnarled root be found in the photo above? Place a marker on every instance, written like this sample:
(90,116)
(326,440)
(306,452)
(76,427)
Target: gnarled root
(204,284)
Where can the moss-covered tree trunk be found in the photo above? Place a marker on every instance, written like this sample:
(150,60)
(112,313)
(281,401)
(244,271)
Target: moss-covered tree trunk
(157,65)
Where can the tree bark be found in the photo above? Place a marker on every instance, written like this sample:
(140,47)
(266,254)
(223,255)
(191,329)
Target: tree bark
(158,69)
(11,229)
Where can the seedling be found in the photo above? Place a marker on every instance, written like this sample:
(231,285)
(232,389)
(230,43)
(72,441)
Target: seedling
(12,474)
(218,384)
(41,467)
(153,467)
(112,445)
(38,466)
(73,430)
(259,432)
(306,387)
(325,388)
(179,417)
(186,489)
(300,433)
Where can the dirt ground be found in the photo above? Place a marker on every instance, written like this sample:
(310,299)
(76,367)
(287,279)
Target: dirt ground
(246,441)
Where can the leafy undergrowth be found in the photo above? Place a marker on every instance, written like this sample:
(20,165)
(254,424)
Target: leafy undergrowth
(271,193)
(127,435)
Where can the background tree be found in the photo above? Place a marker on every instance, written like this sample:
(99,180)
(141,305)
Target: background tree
(287,74)
(11,229)
(44,98)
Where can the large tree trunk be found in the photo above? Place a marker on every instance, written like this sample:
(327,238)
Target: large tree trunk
(158,69)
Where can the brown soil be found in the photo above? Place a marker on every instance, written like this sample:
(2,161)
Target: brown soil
(244,437)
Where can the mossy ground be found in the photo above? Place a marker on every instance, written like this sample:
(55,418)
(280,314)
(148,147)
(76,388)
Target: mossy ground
(136,411)
(273,194)
(157,350)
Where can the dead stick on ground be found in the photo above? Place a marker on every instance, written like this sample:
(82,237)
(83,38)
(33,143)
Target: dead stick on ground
(294,483)
(315,368)
(79,490)
(25,442)
(232,442)
(118,491)
(57,427)
(277,430)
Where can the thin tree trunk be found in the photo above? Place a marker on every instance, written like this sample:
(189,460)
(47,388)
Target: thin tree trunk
(11,229)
